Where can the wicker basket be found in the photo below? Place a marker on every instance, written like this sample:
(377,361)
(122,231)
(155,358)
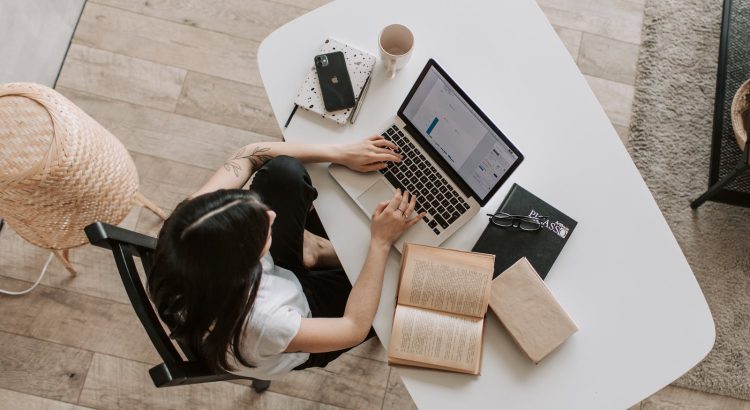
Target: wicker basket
(60,170)
(740,105)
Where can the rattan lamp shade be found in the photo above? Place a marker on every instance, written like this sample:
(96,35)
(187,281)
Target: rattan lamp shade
(740,105)
(60,170)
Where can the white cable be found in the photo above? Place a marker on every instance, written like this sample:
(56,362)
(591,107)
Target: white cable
(41,275)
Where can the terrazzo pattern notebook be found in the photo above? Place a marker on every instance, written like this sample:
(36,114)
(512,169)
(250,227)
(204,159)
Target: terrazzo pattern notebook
(360,65)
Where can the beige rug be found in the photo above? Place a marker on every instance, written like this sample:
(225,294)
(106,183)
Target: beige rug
(670,144)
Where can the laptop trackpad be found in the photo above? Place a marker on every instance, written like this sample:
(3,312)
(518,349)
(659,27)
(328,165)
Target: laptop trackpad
(377,193)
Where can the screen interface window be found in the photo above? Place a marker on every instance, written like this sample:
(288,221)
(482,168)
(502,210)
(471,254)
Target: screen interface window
(459,134)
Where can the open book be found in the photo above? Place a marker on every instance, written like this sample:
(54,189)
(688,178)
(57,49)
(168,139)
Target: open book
(443,296)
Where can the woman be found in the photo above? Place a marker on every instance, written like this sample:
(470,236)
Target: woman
(243,283)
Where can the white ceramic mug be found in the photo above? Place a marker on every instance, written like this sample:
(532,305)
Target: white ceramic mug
(396,44)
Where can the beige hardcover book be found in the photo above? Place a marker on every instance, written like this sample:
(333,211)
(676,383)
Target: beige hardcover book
(442,299)
(529,311)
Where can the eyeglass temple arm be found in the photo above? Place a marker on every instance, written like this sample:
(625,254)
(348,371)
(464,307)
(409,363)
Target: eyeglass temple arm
(522,216)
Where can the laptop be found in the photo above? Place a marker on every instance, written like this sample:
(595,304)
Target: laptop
(454,159)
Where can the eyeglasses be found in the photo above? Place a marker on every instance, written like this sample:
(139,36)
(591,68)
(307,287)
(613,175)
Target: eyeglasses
(524,223)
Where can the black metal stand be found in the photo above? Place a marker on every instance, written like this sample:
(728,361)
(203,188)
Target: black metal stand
(742,166)
(728,179)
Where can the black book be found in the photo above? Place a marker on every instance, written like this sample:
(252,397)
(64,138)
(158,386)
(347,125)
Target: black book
(540,247)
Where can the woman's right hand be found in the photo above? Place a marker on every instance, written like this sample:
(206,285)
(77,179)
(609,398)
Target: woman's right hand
(370,154)
(393,217)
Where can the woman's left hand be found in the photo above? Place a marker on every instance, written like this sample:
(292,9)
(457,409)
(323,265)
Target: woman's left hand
(370,154)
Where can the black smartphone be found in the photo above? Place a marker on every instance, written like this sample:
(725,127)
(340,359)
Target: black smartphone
(335,84)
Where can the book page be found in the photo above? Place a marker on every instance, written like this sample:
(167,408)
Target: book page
(446,280)
(442,340)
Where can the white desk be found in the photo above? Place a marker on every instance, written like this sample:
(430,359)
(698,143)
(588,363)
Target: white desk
(622,277)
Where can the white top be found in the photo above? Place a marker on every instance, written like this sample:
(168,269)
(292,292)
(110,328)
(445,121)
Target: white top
(273,322)
(622,277)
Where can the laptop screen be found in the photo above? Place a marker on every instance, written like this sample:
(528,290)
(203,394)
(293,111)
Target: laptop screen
(459,133)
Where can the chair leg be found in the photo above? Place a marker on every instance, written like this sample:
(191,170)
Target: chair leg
(715,188)
(261,385)
(64,257)
(146,203)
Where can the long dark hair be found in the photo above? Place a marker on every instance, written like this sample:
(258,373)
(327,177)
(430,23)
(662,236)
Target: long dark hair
(207,270)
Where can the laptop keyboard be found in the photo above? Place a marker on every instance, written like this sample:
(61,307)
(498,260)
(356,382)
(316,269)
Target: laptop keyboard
(418,176)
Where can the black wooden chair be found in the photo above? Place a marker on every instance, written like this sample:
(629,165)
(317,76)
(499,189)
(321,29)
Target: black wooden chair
(174,371)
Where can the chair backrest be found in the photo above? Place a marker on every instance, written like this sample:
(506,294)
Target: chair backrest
(126,246)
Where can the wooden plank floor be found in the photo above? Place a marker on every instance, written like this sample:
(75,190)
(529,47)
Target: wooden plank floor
(177,82)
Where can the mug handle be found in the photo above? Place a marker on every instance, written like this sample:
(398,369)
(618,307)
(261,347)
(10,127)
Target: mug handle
(390,68)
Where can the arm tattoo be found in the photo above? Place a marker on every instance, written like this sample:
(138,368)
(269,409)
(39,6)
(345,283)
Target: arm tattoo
(257,158)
